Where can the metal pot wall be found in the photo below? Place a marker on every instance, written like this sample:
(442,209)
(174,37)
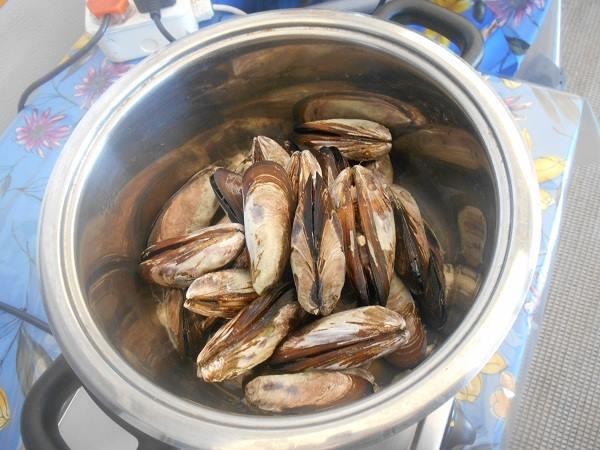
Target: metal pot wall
(202,99)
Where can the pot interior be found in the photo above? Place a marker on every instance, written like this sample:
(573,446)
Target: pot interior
(210,109)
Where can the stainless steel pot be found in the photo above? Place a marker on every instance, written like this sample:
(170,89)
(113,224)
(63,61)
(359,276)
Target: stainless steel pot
(204,98)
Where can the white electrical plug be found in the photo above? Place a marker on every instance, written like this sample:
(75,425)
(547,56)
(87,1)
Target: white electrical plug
(134,34)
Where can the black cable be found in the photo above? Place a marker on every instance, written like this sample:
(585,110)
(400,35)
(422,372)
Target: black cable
(379,5)
(71,60)
(161,27)
(26,317)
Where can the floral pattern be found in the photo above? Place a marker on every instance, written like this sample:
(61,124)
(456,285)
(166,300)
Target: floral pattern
(32,144)
(513,11)
(97,80)
(42,131)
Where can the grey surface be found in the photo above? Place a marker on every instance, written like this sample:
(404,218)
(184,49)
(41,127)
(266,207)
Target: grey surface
(558,400)
(84,426)
(34,36)
(580,52)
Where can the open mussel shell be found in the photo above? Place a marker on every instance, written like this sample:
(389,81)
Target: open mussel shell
(332,162)
(179,261)
(412,245)
(302,166)
(317,257)
(268,212)
(343,340)
(392,113)
(170,315)
(187,331)
(251,337)
(305,392)
(227,187)
(221,294)
(445,144)
(191,208)
(266,149)
(367,221)
(432,302)
(357,139)
(410,354)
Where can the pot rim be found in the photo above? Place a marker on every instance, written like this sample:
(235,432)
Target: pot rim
(182,422)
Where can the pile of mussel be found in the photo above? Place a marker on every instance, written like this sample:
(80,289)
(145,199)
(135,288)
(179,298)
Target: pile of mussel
(319,265)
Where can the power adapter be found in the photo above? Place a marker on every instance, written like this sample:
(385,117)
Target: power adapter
(133,34)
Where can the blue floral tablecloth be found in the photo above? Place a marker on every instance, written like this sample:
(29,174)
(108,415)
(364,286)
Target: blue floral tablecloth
(30,146)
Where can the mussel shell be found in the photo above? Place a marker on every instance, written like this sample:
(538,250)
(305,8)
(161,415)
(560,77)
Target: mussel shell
(302,166)
(332,163)
(268,214)
(446,144)
(317,257)
(367,221)
(221,294)
(266,149)
(170,315)
(432,302)
(412,245)
(179,261)
(227,187)
(357,139)
(414,351)
(189,209)
(251,337)
(392,113)
(308,391)
(342,340)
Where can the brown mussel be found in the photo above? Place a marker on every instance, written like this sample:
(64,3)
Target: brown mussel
(367,221)
(268,213)
(178,261)
(251,337)
(189,209)
(307,391)
(317,257)
(187,331)
(410,354)
(446,144)
(220,294)
(266,149)
(392,113)
(412,246)
(357,139)
(227,187)
(343,340)
(332,162)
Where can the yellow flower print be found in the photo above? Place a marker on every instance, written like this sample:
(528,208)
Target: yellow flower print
(496,364)
(546,199)
(437,37)
(457,6)
(511,84)
(527,138)
(472,390)
(549,167)
(4,409)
